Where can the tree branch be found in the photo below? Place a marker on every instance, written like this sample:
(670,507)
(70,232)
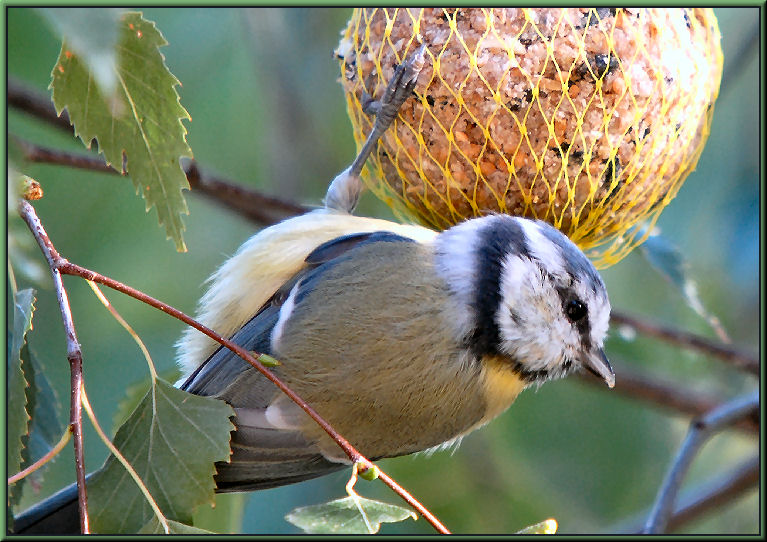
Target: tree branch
(711,494)
(249,203)
(737,358)
(700,430)
(717,492)
(668,395)
(61,265)
(74,355)
(46,155)
(25,99)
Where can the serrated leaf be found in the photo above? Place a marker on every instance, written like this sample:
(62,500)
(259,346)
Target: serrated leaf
(671,263)
(348,516)
(155,527)
(141,122)
(15,490)
(45,428)
(172,440)
(92,35)
(548,526)
(16,407)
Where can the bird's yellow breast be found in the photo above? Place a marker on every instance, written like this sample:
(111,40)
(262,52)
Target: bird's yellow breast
(500,385)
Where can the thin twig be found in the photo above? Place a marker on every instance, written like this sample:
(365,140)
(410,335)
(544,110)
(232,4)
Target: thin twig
(700,430)
(53,452)
(737,358)
(127,327)
(63,266)
(74,356)
(417,506)
(668,395)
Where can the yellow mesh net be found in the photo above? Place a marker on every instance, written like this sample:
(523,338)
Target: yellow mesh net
(589,119)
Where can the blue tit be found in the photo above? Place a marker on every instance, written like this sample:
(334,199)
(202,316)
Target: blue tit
(404,339)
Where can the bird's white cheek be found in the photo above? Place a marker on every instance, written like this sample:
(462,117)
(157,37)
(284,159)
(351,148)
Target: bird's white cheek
(529,338)
(532,328)
(538,346)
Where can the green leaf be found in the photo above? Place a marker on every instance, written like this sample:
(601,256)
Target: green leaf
(671,263)
(155,527)
(16,407)
(45,428)
(548,526)
(349,515)
(92,34)
(172,440)
(141,123)
(15,490)
(135,392)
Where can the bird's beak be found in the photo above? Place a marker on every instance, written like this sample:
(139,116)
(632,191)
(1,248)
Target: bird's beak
(596,362)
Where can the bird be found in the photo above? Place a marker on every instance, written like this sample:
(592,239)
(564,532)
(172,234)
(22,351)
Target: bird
(403,338)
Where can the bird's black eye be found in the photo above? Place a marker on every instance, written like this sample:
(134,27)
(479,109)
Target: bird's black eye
(575,310)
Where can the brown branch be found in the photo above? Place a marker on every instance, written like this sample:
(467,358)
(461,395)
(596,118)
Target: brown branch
(61,265)
(34,103)
(249,203)
(407,497)
(46,155)
(669,396)
(737,358)
(74,355)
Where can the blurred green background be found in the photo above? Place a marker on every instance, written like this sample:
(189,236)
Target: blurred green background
(261,87)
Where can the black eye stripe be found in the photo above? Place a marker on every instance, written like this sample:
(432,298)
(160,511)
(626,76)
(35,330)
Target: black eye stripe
(499,238)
